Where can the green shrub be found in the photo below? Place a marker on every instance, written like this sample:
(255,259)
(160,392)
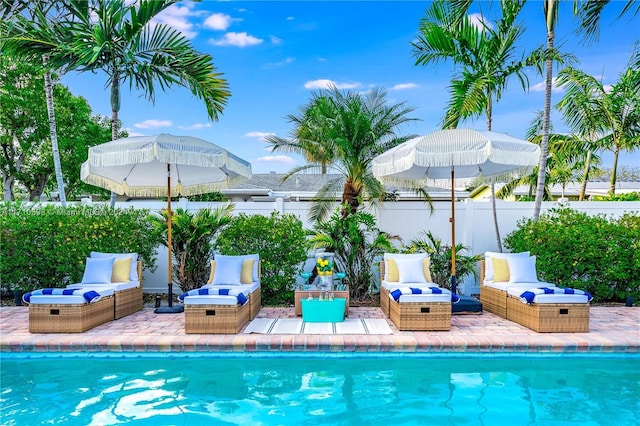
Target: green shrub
(586,252)
(356,242)
(46,246)
(279,239)
(192,240)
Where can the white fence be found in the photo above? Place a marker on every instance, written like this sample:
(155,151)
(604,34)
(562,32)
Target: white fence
(474,223)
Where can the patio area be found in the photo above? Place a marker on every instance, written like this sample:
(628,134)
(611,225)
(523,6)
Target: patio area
(613,329)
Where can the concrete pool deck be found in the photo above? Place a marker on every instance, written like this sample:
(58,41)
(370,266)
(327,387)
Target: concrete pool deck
(613,329)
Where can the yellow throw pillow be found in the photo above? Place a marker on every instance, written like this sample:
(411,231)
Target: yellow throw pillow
(426,268)
(213,272)
(121,269)
(393,274)
(500,269)
(246,275)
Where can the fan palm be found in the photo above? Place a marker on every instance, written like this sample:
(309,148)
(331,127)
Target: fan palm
(344,131)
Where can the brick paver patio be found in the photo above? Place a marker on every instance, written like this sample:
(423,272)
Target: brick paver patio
(613,329)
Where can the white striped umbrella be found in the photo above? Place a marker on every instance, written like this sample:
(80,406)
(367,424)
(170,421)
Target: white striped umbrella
(163,166)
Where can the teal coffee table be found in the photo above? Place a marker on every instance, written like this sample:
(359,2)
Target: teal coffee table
(316,310)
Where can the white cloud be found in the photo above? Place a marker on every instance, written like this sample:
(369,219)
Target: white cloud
(153,124)
(196,126)
(218,21)
(258,135)
(404,86)
(276,159)
(134,133)
(290,18)
(275,40)
(178,18)
(326,84)
(478,21)
(284,62)
(236,39)
(541,87)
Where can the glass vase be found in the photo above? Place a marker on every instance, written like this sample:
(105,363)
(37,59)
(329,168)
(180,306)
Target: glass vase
(325,266)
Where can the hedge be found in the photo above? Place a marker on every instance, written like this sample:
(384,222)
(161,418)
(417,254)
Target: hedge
(592,253)
(46,246)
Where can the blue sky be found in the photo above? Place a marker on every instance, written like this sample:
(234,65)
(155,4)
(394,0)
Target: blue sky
(274,54)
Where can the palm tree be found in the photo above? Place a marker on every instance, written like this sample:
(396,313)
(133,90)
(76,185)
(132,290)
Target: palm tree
(120,39)
(590,11)
(592,109)
(486,57)
(37,12)
(580,113)
(550,9)
(346,131)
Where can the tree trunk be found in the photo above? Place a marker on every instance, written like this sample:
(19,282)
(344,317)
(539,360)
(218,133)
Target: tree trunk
(350,197)
(614,171)
(493,186)
(38,188)
(585,179)
(544,144)
(7,186)
(115,108)
(48,88)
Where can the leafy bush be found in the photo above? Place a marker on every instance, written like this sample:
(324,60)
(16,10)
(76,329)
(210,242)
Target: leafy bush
(46,246)
(590,253)
(630,196)
(192,240)
(356,242)
(279,239)
(440,255)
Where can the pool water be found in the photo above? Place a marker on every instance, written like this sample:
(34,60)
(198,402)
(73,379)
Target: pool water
(329,390)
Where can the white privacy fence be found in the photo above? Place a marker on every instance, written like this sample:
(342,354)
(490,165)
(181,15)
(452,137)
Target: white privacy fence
(406,219)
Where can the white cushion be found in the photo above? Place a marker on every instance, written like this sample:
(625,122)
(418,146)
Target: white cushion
(228,269)
(209,299)
(133,274)
(410,270)
(255,257)
(244,288)
(117,286)
(550,298)
(488,264)
(522,269)
(506,285)
(401,256)
(98,270)
(392,285)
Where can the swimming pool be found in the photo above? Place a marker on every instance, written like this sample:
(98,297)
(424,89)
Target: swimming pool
(327,390)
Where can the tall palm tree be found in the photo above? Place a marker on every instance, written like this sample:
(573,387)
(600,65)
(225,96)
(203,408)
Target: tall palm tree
(346,131)
(550,9)
(612,114)
(581,114)
(39,12)
(485,56)
(120,39)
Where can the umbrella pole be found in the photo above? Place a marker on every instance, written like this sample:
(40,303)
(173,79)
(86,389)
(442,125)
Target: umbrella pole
(453,233)
(171,309)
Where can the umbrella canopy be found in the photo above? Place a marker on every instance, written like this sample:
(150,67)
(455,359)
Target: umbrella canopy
(136,165)
(427,160)
(163,166)
(441,157)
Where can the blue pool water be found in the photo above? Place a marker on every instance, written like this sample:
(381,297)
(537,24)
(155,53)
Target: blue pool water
(320,390)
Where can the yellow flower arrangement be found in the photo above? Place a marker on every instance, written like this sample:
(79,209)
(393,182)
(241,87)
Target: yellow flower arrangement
(324,267)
